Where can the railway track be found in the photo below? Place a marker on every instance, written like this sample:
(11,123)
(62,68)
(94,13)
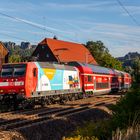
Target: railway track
(40,116)
(20,113)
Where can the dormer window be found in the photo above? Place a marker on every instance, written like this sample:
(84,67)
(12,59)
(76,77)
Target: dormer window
(47,55)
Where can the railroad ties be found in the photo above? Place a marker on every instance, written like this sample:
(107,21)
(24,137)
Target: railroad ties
(18,120)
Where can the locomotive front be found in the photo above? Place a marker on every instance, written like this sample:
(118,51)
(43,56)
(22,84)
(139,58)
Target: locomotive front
(12,79)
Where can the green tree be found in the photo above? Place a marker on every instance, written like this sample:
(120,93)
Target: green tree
(20,55)
(129,69)
(102,55)
(14,58)
(136,67)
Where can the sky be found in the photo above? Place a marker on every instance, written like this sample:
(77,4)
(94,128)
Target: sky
(73,20)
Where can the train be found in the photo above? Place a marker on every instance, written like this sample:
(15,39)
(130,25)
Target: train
(27,84)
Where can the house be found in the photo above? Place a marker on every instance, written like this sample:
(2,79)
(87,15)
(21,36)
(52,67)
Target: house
(53,50)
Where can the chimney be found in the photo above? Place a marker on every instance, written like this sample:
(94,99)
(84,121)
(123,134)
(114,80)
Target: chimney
(55,37)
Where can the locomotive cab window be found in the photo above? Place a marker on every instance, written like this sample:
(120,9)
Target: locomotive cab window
(7,72)
(19,70)
(13,70)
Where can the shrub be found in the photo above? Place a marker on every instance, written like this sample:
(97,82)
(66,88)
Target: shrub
(127,111)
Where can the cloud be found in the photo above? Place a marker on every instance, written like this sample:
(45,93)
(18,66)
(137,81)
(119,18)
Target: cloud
(82,6)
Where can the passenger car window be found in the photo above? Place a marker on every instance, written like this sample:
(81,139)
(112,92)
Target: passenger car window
(89,79)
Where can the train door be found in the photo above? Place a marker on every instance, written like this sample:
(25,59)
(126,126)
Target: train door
(94,81)
(114,83)
(83,79)
(122,82)
(88,83)
(85,83)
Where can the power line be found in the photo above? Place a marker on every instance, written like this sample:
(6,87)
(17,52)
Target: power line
(39,26)
(26,22)
(131,16)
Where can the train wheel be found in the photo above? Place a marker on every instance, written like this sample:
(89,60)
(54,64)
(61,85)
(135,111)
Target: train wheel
(76,97)
(31,105)
(63,99)
(25,104)
(49,102)
(15,102)
(80,96)
(72,98)
(43,101)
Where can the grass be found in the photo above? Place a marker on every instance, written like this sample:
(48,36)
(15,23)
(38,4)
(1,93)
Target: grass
(131,133)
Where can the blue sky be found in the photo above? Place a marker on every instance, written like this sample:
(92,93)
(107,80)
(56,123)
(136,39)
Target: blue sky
(73,20)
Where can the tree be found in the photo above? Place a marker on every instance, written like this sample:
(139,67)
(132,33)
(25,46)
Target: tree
(102,55)
(20,55)
(136,67)
(14,58)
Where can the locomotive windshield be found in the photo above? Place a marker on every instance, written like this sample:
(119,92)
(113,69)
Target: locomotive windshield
(7,72)
(19,72)
(14,70)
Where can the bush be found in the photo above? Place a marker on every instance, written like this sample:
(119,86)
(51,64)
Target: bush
(92,131)
(127,111)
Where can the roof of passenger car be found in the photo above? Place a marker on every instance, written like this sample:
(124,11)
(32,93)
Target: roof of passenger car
(83,67)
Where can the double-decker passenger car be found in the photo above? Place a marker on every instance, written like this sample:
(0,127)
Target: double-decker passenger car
(121,81)
(95,79)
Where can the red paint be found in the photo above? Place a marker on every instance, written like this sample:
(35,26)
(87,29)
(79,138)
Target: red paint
(30,80)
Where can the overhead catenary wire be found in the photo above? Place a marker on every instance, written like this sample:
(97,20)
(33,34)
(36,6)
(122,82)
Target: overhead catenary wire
(49,29)
(129,14)
(39,26)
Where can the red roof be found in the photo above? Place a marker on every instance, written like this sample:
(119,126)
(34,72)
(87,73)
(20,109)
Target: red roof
(69,51)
